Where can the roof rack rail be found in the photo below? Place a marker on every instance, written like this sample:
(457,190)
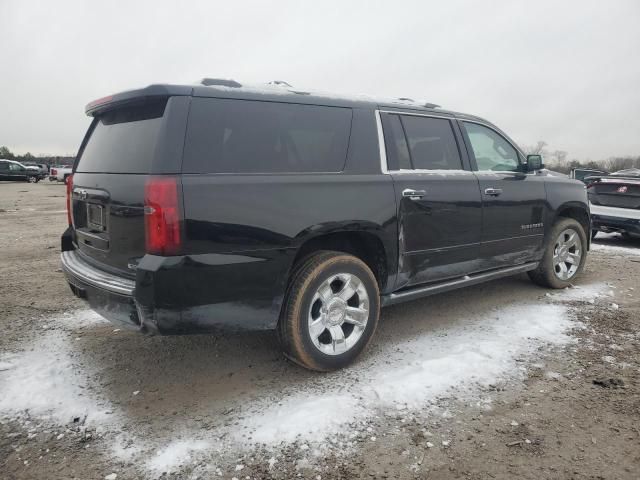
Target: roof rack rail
(280,83)
(207,82)
(431,105)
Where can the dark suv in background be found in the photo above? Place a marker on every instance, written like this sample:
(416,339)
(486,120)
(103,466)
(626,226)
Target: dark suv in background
(197,207)
(11,170)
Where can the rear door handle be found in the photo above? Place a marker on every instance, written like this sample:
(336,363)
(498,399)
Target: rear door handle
(494,192)
(413,194)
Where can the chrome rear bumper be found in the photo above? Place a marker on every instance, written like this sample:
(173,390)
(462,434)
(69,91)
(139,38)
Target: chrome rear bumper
(77,268)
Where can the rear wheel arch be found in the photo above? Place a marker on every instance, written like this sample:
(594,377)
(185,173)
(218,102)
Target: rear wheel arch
(366,246)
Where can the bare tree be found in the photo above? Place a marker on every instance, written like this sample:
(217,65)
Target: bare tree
(537,149)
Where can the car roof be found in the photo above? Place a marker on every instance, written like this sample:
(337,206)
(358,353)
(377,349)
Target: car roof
(275,91)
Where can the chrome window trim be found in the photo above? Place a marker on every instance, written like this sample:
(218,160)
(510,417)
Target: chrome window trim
(384,166)
(414,114)
(383,152)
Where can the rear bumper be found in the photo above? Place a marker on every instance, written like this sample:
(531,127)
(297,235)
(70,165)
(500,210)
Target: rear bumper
(181,294)
(615,219)
(109,295)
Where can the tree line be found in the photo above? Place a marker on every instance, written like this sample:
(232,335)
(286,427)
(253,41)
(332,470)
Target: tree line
(558,160)
(7,154)
(554,159)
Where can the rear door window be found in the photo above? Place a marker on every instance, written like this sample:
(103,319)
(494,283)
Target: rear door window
(243,136)
(123,140)
(432,143)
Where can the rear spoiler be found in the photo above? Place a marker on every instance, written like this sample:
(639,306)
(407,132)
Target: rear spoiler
(135,96)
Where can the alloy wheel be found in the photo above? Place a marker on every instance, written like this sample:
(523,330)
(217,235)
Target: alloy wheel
(338,314)
(567,253)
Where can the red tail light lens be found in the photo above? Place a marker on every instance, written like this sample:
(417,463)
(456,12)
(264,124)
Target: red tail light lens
(162,216)
(69,202)
(54,172)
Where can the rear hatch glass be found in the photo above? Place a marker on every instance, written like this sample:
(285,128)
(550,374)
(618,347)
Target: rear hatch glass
(109,183)
(123,140)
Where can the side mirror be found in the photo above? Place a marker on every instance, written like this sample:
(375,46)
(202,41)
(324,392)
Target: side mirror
(534,162)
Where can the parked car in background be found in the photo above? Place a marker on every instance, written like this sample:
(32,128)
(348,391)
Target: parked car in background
(60,173)
(615,202)
(15,171)
(43,167)
(195,208)
(582,173)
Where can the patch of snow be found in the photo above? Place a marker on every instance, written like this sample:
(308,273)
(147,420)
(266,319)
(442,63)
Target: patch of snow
(45,382)
(588,292)
(6,366)
(615,249)
(410,375)
(176,454)
(79,319)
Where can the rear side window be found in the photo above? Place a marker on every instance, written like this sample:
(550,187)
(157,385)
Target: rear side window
(123,140)
(242,136)
(397,149)
(432,143)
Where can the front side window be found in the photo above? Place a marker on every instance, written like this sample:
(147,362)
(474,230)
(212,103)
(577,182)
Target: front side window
(14,167)
(432,144)
(492,151)
(245,136)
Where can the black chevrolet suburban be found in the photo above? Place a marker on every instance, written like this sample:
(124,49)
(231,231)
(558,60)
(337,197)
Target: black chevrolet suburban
(199,207)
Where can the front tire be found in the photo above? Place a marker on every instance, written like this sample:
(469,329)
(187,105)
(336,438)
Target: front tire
(564,256)
(32,179)
(331,311)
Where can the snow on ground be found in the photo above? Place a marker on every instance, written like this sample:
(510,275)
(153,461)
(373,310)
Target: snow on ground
(590,292)
(50,380)
(43,381)
(77,319)
(615,249)
(175,455)
(410,375)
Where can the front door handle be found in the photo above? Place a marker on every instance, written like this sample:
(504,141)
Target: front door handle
(494,192)
(413,194)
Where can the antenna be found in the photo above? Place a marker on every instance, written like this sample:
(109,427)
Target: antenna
(431,105)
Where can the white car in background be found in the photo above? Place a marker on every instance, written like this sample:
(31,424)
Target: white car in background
(60,173)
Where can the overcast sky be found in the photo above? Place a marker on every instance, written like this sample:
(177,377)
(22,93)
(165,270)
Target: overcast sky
(567,72)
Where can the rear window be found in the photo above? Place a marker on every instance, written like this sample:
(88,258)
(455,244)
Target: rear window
(243,136)
(123,140)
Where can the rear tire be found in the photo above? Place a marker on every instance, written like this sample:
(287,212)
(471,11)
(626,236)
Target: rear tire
(593,234)
(331,311)
(564,255)
(32,179)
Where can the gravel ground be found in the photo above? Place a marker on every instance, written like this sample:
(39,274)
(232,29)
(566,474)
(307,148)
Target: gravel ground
(504,380)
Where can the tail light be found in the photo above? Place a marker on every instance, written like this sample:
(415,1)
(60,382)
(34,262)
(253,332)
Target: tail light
(69,202)
(54,172)
(162,216)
